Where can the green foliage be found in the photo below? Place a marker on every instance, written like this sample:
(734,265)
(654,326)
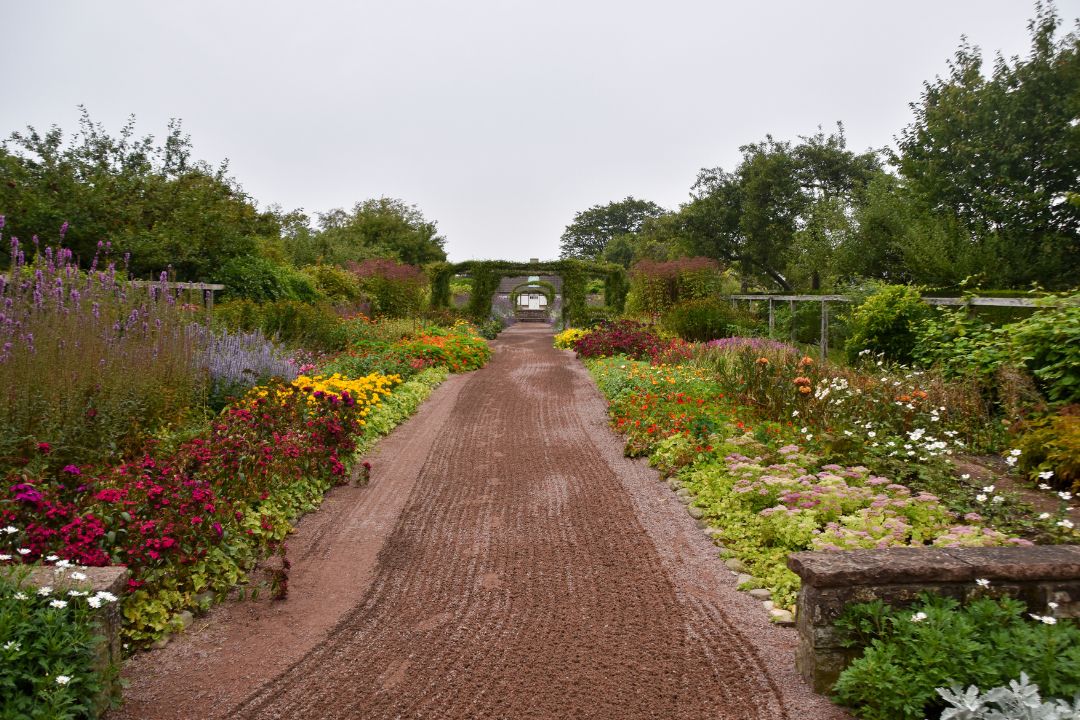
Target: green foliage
(316,326)
(588,235)
(703,320)
(259,279)
(394,289)
(998,156)
(379,227)
(1052,444)
(656,286)
(47,654)
(485,276)
(910,652)
(334,283)
(152,200)
(886,323)
(1048,344)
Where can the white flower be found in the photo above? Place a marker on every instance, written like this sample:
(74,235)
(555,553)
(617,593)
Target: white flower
(63,564)
(988,488)
(794,413)
(1044,486)
(1010,461)
(871,434)
(982,582)
(77,593)
(93,601)
(58,604)
(62,679)
(980,497)
(1052,605)
(23,551)
(803,430)
(1048,620)
(1044,516)
(1015,452)
(78,576)
(1065,495)
(999,499)
(44,591)
(965,476)
(4,558)
(12,645)
(918,617)
(11,529)
(52,558)
(1046,475)
(809,437)
(19,596)
(106,596)
(1067,524)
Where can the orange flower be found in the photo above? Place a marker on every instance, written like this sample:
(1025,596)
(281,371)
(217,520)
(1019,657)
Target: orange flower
(763,361)
(807,360)
(804,389)
(803,381)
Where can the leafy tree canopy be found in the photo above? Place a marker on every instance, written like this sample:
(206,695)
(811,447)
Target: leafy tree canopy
(147,199)
(591,230)
(1001,154)
(380,227)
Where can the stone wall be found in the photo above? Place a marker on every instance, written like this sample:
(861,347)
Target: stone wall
(832,580)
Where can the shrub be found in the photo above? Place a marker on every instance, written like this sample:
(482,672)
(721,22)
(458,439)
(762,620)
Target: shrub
(625,337)
(47,652)
(886,323)
(656,286)
(1048,344)
(566,339)
(705,319)
(337,285)
(910,652)
(237,361)
(1052,444)
(394,289)
(90,364)
(461,349)
(316,326)
(260,279)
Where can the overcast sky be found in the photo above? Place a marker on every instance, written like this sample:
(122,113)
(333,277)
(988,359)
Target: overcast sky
(499,119)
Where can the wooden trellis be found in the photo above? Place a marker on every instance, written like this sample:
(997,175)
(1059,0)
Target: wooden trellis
(826,299)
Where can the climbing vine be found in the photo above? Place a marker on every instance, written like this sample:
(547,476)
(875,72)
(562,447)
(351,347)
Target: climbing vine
(541,286)
(486,275)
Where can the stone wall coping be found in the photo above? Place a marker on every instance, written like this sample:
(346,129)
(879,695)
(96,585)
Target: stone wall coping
(893,566)
(111,578)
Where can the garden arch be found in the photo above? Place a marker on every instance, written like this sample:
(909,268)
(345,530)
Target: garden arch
(575,275)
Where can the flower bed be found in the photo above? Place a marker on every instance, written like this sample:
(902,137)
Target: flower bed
(198,518)
(770,489)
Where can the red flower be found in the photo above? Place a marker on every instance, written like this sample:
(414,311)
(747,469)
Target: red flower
(44,448)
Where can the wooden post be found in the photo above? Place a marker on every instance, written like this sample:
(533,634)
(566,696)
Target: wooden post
(791,305)
(209,301)
(772,318)
(824,330)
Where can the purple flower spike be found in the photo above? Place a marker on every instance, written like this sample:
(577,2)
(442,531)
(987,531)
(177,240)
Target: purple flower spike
(63,230)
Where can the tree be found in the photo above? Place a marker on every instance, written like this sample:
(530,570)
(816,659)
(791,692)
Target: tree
(782,212)
(379,227)
(147,199)
(1001,153)
(588,234)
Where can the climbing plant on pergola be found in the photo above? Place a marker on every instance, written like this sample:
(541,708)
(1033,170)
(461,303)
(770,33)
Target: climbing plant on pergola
(533,286)
(486,275)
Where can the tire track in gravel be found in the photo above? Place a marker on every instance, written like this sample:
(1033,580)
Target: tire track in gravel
(535,573)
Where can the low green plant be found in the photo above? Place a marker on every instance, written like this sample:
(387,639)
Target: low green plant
(887,323)
(48,643)
(1020,700)
(399,406)
(316,326)
(260,279)
(1052,445)
(706,319)
(910,652)
(1048,344)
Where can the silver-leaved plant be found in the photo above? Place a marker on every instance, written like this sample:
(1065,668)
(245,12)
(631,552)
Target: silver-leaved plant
(1019,701)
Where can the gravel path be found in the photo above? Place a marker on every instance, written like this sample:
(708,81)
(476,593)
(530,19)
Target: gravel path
(530,571)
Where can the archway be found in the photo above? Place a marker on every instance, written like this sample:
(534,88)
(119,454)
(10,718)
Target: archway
(575,274)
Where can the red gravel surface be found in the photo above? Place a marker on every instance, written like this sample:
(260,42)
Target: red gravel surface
(505,562)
